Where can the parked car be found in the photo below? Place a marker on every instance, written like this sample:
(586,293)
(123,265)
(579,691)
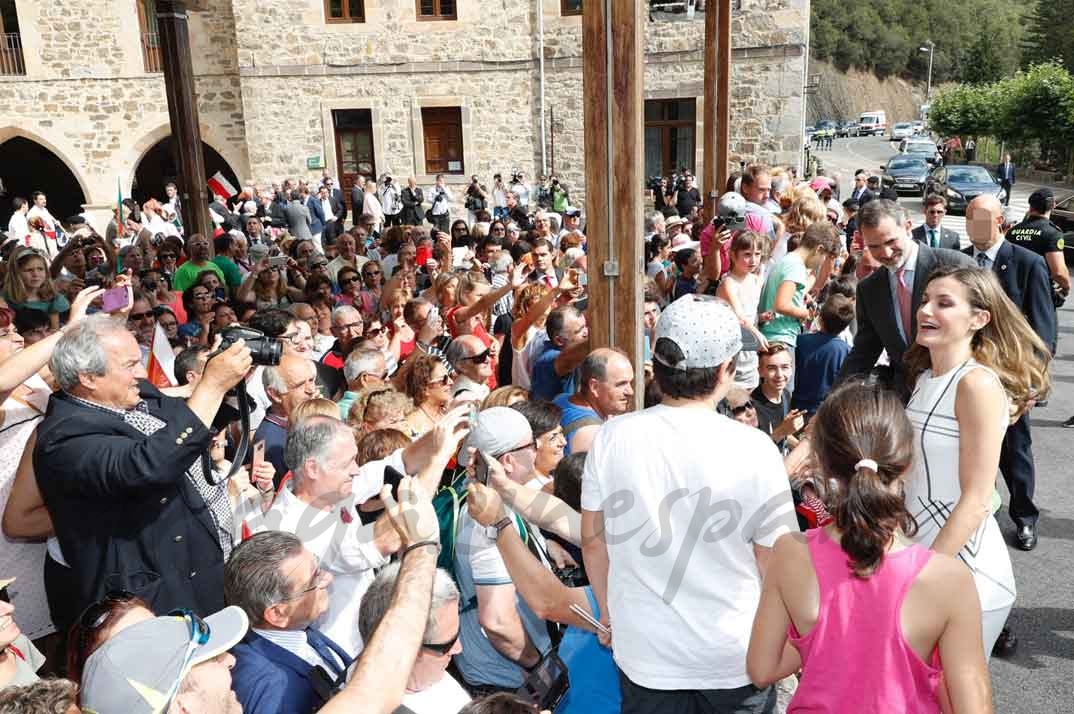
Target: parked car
(842,128)
(960,184)
(826,124)
(905,173)
(851,128)
(809,132)
(923,148)
(1063,218)
(901,130)
(919,128)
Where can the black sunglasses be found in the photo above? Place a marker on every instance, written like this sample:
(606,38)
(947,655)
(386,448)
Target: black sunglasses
(480,357)
(139,316)
(374,332)
(742,408)
(348,280)
(441,648)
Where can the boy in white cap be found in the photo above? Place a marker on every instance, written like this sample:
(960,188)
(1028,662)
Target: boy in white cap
(692,502)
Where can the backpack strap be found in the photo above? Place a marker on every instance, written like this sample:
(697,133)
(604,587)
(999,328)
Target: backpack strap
(588,420)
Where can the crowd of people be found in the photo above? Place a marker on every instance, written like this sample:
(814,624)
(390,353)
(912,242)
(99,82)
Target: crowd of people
(377,465)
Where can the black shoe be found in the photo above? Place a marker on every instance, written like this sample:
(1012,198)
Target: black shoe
(1027,537)
(1006,644)
(1069,423)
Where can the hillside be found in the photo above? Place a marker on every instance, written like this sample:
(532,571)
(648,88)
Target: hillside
(845,95)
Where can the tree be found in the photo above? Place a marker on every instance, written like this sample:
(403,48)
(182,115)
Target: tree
(1051,33)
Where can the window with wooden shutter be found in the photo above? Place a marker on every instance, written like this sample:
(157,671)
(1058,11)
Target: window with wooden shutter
(442,131)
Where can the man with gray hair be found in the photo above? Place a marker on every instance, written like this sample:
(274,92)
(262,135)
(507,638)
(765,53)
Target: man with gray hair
(283,590)
(348,328)
(288,384)
(365,368)
(605,389)
(318,505)
(123,471)
(473,362)
(430,688)
(887,301)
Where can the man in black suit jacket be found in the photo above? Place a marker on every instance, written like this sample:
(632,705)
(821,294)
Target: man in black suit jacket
(885,231)
(1025,278)
(861,193)
(931,232)
(1006,174)
(122,470)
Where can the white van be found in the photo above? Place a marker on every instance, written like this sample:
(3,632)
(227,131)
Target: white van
(873,124)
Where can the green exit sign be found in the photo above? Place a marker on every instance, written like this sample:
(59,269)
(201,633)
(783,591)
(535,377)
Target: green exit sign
(315,162)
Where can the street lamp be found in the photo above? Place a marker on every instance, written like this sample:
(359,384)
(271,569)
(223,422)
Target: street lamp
(929,47)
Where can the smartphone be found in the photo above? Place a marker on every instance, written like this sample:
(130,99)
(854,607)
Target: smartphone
(472,416)
(392,477)
(259,455)
(481,468)
(221,295)
(277,261)
(115,299)
(93,279)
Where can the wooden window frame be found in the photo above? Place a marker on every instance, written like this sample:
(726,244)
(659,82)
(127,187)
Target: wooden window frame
(437,16)
(425,146)
(346,20)
(566,11)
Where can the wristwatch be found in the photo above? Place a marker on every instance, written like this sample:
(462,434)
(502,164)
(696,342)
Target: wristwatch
(493,532)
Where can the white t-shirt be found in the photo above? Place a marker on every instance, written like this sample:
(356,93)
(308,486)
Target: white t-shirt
(682,604)
(445,697)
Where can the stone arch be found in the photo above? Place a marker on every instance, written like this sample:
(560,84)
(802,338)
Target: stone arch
(154,147)
(36,163)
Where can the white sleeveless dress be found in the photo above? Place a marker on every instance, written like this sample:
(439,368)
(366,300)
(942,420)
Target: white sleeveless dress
(933,489)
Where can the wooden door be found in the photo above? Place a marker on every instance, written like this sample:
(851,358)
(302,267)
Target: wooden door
(356,161)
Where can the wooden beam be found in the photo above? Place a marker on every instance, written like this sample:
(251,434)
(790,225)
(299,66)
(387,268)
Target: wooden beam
(612,75)
(183,112)
(716,117)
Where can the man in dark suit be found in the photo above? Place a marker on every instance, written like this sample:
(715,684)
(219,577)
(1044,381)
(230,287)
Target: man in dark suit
(861,193)
(1025,278)
(336,197)
(931,232)
(283,590)
(333,225)
(1005,172)
(887,300)
(123,471)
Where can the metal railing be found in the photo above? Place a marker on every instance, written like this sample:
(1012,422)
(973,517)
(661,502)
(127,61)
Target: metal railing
(11,60)
(151,52)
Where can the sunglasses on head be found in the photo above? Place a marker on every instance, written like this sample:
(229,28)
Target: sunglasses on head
(96,615)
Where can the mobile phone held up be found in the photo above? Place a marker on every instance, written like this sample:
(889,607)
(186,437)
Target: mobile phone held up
(115,299)
(481,468)
(392,477)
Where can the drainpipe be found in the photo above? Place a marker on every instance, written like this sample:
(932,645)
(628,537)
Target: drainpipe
(540,74)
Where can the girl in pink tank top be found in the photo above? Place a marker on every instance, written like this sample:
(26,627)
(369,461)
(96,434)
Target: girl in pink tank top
(841,596)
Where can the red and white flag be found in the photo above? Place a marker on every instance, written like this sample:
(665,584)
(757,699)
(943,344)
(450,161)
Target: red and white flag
(221,187)
(161,367)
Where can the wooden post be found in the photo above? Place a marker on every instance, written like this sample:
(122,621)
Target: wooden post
(612,46)
(183,112)
(717,114)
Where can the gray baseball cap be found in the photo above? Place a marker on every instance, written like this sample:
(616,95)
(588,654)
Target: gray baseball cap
(136,671)
(704,328)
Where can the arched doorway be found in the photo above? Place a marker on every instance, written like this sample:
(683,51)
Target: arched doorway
(25,167)
(157,167)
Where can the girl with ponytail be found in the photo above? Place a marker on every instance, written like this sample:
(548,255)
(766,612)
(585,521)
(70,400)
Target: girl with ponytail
(874,621)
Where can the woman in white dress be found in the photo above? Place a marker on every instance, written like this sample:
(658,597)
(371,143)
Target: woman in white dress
(977,363)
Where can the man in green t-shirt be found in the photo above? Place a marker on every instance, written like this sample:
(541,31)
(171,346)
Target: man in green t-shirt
(223,246)
(199,258)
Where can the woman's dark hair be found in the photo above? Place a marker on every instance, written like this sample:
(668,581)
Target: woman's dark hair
(845,285)
(189,302)
(201,276)
(682,257)
(520,248)
(314,283)
(567,480)
(653,394)
(681,383)
(654,246)
(542,415)
(858,421)
(500,703)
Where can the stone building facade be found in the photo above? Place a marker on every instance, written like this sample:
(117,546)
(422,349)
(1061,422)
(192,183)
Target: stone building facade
(283,90)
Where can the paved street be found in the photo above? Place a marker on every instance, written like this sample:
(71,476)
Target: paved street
(1040,678)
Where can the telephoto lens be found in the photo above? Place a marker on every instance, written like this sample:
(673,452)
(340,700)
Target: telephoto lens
(264,350)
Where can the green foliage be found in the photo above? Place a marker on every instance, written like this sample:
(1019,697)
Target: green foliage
(980,41)
(1050,32)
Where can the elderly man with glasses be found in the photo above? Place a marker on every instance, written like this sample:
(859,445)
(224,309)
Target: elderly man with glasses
(283,590)
(473,362)
(348,328)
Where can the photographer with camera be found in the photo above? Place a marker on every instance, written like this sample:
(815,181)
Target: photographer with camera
(520,188)
(124,472)
(391,202)
(440,213)
(477,199)
(499,197)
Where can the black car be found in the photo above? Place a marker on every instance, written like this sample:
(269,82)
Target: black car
(1063,218)
(960,184)
(906,174)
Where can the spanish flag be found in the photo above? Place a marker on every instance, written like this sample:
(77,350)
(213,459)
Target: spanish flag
(161,367)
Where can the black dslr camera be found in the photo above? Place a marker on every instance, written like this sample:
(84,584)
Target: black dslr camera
(263,350)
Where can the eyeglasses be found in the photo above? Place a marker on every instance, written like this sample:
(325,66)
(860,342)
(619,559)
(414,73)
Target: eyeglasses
(315,583)
(371,273)
(374,332)
(742,408)
(355,326)
(480,357)
(348,280)
(139,316)
(294,338)
(441,648)
(97,614)
(202,296)
(531,445)
(443,381)
(166,256)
